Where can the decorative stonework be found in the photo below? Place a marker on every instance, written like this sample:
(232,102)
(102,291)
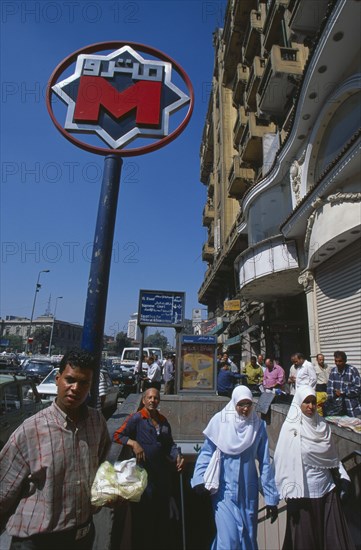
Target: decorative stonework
(336,198)
(344,197)
(306,280)
(296,176)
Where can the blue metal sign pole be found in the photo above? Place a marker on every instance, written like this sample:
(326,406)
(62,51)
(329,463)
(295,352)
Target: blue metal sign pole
(93,330)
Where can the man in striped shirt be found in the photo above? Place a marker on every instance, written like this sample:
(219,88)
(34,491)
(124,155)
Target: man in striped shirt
(49,464)
(345,381)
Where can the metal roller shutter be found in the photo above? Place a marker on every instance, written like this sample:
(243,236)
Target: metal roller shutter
(338,294)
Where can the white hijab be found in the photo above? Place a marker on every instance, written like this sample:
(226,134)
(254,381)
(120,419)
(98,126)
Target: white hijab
(231,432)
(302,441)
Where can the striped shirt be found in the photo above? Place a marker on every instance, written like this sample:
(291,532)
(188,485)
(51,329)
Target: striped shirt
(348,382)
(47,470)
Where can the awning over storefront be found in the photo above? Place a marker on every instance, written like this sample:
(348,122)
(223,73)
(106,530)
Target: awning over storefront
(233,341)
(249,330)
(220,328)
(237,339)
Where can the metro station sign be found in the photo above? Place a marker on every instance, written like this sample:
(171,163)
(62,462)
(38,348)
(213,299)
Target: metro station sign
(127,94)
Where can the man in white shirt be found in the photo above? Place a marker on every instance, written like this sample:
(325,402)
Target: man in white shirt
(292,377)
(306,374)
(154,377)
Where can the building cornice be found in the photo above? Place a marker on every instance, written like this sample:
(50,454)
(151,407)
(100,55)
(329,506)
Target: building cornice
(300,127)
(315,198)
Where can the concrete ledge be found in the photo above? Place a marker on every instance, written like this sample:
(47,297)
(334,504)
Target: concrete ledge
(188,415)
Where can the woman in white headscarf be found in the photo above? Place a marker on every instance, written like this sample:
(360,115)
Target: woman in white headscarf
(238,437)
(305,461)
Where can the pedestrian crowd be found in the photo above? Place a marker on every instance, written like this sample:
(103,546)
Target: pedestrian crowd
(341,383)
(49,463)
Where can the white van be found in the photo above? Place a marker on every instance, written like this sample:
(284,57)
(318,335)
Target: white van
(130,356)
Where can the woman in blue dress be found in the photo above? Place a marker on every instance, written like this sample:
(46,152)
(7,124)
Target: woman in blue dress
(241,439)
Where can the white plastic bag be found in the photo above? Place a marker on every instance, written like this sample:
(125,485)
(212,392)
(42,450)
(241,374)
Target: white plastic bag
(125,479)
(211,475)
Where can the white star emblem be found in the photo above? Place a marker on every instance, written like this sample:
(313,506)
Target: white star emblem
(127,62)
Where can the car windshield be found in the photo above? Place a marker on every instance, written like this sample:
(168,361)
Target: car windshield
(50,379)
(38,367)
(156,351)
(131,355)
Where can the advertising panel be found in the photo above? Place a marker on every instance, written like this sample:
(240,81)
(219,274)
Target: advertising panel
(198,364)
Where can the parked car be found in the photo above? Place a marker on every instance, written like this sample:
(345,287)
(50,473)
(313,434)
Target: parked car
(123,378)
(19,399)
(37,369)
(48,391)
(7,366)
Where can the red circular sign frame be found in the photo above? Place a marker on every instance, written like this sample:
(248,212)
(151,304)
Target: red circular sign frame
(101,46)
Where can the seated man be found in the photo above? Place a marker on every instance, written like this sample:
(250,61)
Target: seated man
(344,381)
(226,380)
(274,376)
(254,373)
(149,435)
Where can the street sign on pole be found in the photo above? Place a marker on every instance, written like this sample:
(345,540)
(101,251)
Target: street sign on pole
(161,308)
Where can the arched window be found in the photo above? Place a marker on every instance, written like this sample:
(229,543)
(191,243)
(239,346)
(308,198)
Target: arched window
(344,123)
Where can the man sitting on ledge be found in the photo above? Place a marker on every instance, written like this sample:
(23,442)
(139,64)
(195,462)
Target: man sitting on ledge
(149,435)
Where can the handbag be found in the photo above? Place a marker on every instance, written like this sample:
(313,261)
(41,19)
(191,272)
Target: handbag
(211,475)
(334,406)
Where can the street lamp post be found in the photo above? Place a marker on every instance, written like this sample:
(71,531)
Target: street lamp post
(37,288)
(52,327)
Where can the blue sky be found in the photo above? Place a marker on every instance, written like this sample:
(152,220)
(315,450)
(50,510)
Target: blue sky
(50,188)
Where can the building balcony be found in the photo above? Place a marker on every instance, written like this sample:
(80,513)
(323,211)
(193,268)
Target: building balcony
(208,214)
(271,30)
(239,125)
(241,10)
(256,72)
(252,40)
(233,50)
(269,269)
(211,235)
(207,253)
(281,76)
(239,83)
(210,184)
(306,15)
(206,158)
(250,145)
(239,178)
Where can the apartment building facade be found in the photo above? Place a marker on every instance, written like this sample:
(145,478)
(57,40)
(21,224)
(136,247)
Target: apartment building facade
(280,159)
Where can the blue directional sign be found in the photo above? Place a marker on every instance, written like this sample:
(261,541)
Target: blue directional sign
(161,308)
(198,339)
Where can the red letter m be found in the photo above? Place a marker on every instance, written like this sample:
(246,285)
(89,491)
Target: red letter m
(95,91)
